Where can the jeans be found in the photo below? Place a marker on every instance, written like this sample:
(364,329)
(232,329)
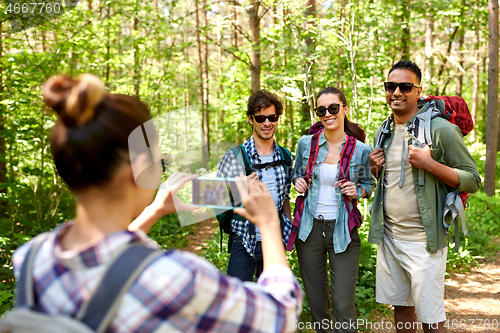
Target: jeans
(241,264)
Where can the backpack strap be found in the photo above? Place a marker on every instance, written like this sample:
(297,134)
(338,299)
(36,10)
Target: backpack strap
(98,311)
(346,156)
(385,130)
(345,161)
(241,155)
(313,154)
(25,294)
(454,208)
(287,157)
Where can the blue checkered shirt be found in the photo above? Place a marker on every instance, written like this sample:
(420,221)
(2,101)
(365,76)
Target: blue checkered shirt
(230,167)
(176,292)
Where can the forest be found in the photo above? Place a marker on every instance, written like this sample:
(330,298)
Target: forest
(195,63)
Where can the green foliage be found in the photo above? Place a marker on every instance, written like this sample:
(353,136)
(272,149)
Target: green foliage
(169,234)
(212,252)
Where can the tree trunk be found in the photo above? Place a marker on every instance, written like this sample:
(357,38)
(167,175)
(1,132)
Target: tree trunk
(201,89)
(475,89)
(108,42)
(3,166)
(429,44)
(460,74)
(135,37)
(206,82)
(405,23)
(341,49)
(492,118)
(254,20)
(221,80)
(308,64)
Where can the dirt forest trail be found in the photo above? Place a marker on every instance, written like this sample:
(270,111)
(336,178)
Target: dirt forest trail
(472,298)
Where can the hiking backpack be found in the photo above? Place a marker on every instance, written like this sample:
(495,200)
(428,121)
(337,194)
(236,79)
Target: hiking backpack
(354,216)
(96,313)
(455,110)
(225,218)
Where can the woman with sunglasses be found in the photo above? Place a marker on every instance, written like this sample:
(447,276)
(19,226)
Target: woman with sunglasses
(324,235)
(177,291)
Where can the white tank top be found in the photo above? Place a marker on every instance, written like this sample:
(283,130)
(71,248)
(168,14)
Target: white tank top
(327,201)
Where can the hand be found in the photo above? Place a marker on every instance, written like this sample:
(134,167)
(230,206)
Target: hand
(258,203)
(300,185)
(377,160)
(166,200)
(420,157)
(254,175)
(350,190)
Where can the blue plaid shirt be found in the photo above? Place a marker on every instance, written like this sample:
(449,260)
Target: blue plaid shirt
(230,167)
(177,292)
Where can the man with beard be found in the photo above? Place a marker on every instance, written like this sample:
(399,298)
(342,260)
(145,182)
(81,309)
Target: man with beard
(263,111)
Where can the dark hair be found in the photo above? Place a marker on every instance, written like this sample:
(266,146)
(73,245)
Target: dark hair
(263,99)
(350,128)
(90,138)
(409,66)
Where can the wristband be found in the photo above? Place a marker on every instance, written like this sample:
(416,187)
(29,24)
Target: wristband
(359,193)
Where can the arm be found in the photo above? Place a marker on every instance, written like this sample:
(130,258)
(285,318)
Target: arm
(457,168)
(366,178)
(260,210)
(197,295)
(421,158)
(377,157)
(299,169)
(166,202)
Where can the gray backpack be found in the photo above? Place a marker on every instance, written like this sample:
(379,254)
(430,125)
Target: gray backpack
(96,313)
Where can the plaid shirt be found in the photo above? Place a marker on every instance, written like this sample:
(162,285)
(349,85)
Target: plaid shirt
(178,292)
(231,167)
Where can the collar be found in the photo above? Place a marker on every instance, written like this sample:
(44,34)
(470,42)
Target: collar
(322,138)
(100,253)
(252,150)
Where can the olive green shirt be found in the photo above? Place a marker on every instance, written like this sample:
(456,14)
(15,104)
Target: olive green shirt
(449,149)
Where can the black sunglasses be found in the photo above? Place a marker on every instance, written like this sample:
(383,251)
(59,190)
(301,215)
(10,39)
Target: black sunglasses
(260,118)
(404,87)
(332,109)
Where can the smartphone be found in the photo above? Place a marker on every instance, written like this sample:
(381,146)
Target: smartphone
(216,193)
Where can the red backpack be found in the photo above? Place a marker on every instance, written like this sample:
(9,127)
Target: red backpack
(456,112)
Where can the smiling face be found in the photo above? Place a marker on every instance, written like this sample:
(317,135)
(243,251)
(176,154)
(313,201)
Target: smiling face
(404,106)
(329,121)
(264,130)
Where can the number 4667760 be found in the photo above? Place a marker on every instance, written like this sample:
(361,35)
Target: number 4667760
(33,8)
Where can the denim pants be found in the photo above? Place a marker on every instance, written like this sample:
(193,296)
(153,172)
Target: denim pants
(312,255)
(241,264)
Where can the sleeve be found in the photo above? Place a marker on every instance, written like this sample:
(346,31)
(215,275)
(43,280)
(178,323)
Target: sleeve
(229,166)
(289,180)
(457,156)
(212,301)
(365,177)
(18,258)
(299,169)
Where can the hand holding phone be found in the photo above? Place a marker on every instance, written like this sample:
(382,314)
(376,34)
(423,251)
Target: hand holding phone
(259,209)
(220,193)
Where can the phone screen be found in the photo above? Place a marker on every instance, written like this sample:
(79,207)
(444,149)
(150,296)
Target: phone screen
(216,193)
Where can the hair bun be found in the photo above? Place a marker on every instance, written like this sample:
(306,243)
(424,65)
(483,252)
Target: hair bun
(74,100)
